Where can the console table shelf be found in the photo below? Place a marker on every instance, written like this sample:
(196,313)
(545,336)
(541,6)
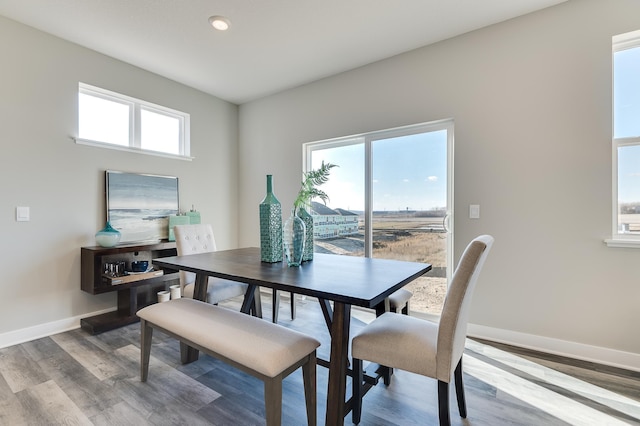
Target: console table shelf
(132,295)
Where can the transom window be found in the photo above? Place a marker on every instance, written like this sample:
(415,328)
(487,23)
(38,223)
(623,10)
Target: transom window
(112,120)
(626,136)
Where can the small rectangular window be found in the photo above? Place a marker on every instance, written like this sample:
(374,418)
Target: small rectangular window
(110,119)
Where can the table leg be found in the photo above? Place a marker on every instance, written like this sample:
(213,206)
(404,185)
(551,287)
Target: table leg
(200,287)
(256,305)
(338,364)
(327,312)
(250,296)
(187,353)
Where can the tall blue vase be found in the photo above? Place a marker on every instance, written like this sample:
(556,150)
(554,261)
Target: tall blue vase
(270,226)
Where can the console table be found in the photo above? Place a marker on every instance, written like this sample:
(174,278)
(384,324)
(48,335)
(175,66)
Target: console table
(134,292)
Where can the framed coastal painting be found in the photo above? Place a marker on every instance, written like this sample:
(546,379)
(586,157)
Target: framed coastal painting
(139,205)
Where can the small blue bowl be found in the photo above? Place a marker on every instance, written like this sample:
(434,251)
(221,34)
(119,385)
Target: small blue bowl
(139,265)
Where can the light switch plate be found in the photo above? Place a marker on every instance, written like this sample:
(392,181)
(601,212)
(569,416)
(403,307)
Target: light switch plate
(22,214)
(474,211)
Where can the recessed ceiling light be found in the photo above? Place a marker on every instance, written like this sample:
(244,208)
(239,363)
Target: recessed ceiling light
(219,23)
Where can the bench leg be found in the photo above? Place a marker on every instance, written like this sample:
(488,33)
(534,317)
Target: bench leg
(146,333)
(273,400)
(275,305)
(309,377)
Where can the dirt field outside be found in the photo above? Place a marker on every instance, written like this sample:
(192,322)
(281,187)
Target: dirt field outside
(409,239)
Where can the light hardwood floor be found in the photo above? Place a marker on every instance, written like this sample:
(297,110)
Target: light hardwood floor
(73,378)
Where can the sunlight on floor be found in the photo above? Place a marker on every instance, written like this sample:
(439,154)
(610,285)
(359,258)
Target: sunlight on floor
(560,406)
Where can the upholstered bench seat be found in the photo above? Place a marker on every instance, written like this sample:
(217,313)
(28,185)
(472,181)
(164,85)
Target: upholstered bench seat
(399,300)
(267,351)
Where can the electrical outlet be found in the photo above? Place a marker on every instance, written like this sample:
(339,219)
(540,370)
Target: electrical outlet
(22,214)
(474,211)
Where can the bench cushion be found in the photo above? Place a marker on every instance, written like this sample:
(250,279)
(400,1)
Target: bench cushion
(255,343)
(400,298)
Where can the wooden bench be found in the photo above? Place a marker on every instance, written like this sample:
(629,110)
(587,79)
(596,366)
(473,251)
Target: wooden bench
(264,350)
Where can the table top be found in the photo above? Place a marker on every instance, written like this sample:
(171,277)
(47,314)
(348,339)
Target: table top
(353,280)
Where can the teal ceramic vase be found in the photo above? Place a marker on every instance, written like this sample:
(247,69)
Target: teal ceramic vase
(307,218)
(293,239)
(108,236)
(270,226)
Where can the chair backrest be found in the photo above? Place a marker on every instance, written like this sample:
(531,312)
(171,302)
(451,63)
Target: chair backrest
(193,239)
(452,330)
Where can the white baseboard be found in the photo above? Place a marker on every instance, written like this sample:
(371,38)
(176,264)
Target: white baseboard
(597,354)
(43,330)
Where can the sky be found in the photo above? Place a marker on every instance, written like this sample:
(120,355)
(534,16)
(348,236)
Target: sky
(627,121)
(409,172)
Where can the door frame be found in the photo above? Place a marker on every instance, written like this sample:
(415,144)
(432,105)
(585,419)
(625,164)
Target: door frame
(367,139)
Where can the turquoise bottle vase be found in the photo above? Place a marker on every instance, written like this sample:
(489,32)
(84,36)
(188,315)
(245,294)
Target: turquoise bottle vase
(108,236)
(270,226)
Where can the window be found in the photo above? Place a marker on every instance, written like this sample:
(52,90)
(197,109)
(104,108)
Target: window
(626,136)
(109,119)
(390,197)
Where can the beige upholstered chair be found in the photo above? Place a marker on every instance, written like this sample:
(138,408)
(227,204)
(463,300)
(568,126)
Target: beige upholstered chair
(193,239)
(424,347)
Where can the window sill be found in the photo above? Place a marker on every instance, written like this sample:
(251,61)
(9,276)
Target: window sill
(80,141)
(623,243)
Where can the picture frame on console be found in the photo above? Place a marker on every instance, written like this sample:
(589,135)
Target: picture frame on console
(139,205)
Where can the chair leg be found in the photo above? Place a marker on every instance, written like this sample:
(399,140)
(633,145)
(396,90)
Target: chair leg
(443,403)
(356,384)
(310,394)
(275,306)
(405,310)
(146,334)
(293,305)
(462,404)
(273,400)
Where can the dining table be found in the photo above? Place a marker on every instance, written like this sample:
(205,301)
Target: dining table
(338,282)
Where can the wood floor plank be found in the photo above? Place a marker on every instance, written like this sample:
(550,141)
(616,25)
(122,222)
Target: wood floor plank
(165,386)
(121,414)
(19,370)
(83,388)
(12,412)
(87,354)
(47,404)
(76,378)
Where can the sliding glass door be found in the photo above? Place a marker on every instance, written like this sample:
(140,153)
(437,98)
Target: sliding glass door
(390,197)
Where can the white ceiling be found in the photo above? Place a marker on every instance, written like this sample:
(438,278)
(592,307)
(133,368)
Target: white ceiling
(272,45)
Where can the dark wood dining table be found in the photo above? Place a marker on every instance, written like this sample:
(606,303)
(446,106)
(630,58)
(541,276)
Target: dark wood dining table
(344,280)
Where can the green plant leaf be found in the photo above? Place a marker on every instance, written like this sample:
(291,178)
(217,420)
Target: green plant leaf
(308,187)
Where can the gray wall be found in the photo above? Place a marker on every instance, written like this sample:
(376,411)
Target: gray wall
(531,100)
(63,183)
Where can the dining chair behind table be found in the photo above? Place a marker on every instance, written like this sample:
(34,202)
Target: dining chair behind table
(199,238)
(425,347)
